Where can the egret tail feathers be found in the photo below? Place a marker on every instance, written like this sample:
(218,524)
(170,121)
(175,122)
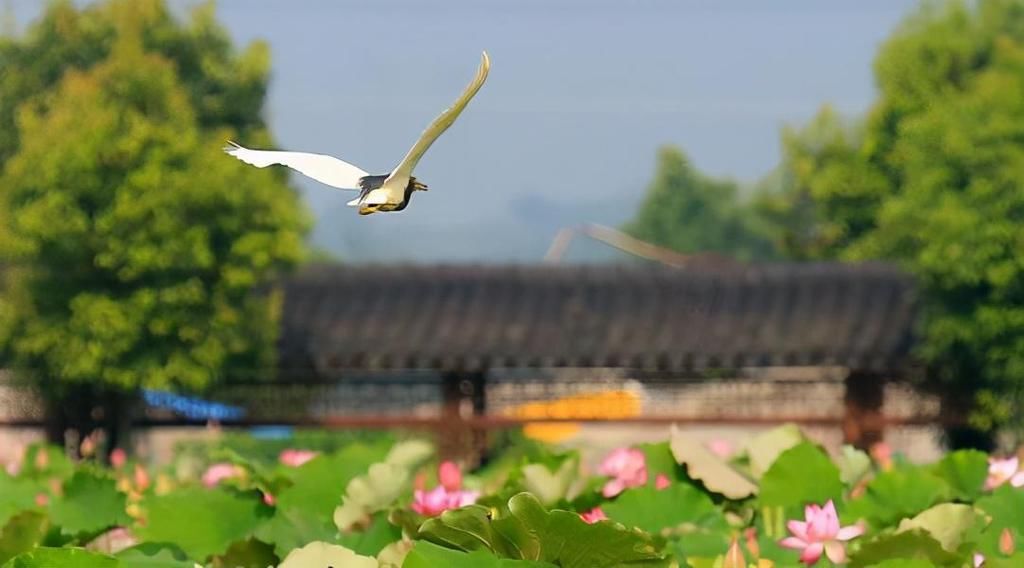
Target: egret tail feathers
(372,198)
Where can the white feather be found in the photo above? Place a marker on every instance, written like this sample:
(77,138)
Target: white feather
(399,177)
(378,196)
(324,169)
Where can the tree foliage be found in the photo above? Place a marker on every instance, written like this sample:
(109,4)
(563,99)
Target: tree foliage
(136,244)
(225,89)
(689,212)
(821,197)
(932,179)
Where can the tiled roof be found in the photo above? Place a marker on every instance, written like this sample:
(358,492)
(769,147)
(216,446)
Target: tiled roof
(644,316)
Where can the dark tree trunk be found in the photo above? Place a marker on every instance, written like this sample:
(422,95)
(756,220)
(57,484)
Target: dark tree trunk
(450,429)
(958,434)
(863,422)
(478,396)
(463,395)
(76,411)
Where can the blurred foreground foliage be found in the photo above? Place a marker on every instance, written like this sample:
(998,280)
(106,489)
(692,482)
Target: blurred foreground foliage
(369,504)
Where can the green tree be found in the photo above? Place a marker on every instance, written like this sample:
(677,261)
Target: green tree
(823,195)
(226,89)
(691,213)
(136,246)
(934,179)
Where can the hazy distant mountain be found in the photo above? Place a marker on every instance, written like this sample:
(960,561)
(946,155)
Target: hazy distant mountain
(522,236)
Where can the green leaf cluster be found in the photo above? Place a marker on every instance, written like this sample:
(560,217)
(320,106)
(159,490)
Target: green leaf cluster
(937,514)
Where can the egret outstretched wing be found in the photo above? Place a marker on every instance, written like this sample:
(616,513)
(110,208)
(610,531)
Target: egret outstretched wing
(441,123)
(324,169)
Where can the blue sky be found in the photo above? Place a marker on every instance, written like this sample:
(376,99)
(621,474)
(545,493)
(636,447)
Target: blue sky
(581,94)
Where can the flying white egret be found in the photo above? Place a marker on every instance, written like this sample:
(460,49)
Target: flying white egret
(386,192)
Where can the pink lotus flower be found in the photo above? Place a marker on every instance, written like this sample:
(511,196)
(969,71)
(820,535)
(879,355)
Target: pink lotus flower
(979,559)
(269,499)
(450,476)
(141,478)
(42,459)
(447,495)
(117,458)
(1006,544)
(88,446)
(627,466)
(734,556)
(752,545)
(594,515)
(881,452)
(13,467)
(661,482)
(219,472)
(113,541)
(438,500)
(820,531)
(721,448)
(295,458)
(1001,471)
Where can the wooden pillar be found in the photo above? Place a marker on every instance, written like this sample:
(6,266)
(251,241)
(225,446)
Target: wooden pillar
(463,396)
(478,399)
(863,419)
(451,415)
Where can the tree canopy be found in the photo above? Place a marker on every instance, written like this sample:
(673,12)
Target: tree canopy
(137,246)
(933,178)
(225,88)
(692,213)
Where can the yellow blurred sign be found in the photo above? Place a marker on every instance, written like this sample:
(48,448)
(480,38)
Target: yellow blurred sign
(603,405)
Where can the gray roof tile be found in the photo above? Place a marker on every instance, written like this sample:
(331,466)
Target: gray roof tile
(414,316)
